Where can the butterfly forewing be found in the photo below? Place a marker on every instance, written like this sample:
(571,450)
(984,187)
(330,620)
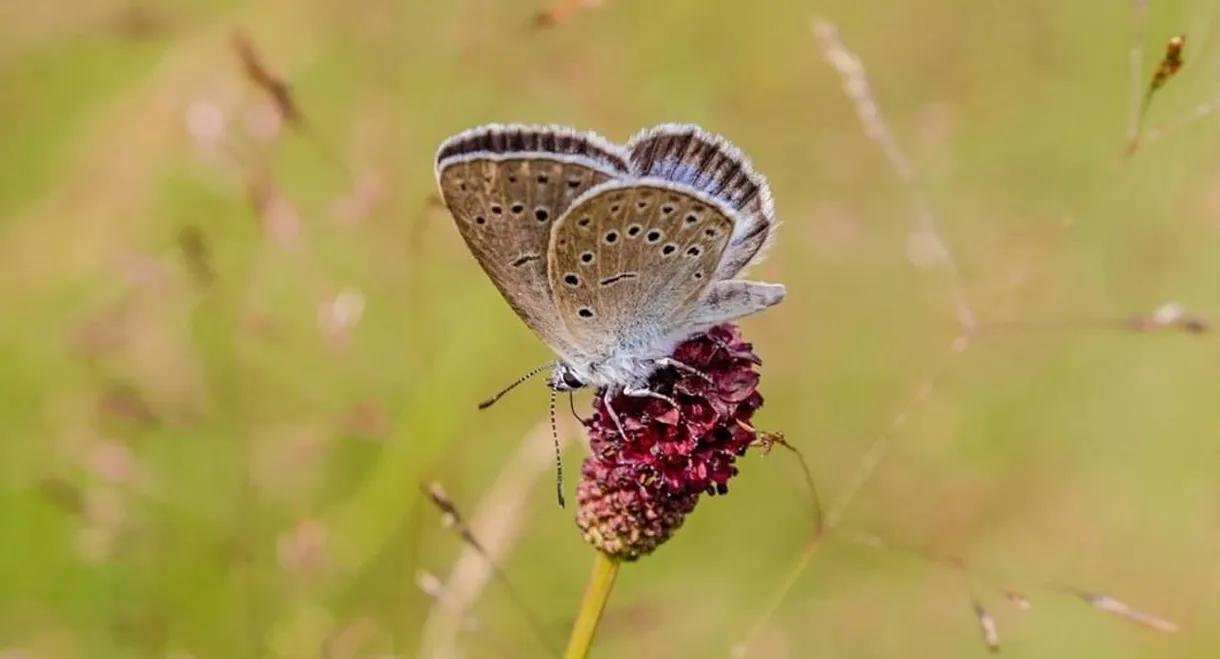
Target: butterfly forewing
(505,187)
(630,259)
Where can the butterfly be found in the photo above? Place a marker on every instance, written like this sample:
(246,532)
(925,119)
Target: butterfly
(611,254)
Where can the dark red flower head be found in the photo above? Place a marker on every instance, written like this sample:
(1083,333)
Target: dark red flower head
(636,491)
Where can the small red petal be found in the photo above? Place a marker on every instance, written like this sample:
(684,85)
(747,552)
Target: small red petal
(738,385)
(670,417)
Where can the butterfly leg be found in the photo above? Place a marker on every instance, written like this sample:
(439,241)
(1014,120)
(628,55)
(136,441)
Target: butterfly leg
(606,398)
(670,361)
(642,392)
(719,344)
(628,390)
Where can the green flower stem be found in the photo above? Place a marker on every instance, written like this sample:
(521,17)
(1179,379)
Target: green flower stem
(597,592)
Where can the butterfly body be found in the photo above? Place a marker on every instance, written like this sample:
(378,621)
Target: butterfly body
(612,255)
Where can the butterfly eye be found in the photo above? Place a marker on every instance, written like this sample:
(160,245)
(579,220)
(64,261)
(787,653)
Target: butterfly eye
(634,230)
(668,249)
(693,251)
(585,312)
(586,257)
(654,236)
(571,279)
(667,209)
(611,237)
(518,209)
(541,214)
(691,219)
(710,233)
(571,381)
(480,220)
(542,179)
(496,209)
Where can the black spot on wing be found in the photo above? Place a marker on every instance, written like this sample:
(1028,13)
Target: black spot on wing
(617,278)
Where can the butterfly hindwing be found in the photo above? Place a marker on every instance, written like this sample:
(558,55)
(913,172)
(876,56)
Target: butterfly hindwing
(505,186)
(631,258)
(688,155)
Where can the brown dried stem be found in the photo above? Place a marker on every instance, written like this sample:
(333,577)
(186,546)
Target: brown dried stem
(277,89)
(860,91)
(497,523)
(1135,62)
(452,519)
(1171,63)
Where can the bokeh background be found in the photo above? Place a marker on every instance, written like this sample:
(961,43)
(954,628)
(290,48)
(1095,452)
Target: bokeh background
(230,353)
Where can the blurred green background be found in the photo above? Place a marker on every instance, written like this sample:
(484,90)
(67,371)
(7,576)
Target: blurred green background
(215,421)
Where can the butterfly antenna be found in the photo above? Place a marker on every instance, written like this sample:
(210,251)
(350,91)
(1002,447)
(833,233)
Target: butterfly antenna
(558,453)
(492,401)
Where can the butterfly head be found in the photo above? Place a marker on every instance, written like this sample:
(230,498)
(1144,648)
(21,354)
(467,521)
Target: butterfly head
(564,378)
(622,369)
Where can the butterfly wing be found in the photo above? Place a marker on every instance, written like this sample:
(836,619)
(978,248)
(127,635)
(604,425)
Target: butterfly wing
(630,260)
(506,185)
(688,155)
